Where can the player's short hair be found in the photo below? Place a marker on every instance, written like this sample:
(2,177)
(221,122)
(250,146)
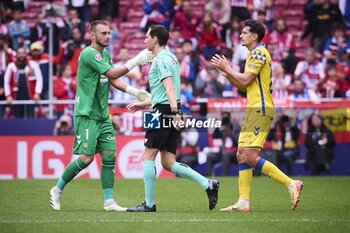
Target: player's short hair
(161,33)
(94,23)
(255,27)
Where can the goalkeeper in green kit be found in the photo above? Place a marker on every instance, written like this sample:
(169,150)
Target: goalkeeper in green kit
(93,128)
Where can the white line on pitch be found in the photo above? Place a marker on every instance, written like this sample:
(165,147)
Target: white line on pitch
(171,220)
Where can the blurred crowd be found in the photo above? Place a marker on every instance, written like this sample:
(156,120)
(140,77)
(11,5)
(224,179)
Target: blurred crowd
(321,70)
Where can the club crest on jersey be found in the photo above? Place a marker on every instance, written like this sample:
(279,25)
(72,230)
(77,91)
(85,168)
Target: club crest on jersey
(98,57)
(85,146)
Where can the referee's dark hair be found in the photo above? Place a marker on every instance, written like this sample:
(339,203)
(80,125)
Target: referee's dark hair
(255,27)
(160,32)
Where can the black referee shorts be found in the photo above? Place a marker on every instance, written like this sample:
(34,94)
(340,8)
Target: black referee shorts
(162,138)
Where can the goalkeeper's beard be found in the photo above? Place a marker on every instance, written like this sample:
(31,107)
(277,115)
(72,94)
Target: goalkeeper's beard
(100,44)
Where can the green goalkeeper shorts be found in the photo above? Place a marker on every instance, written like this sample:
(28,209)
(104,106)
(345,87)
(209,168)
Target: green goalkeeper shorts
(92,136)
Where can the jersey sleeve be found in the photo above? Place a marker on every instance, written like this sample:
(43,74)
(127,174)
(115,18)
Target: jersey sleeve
(94,59)
(165,67)
(256,61)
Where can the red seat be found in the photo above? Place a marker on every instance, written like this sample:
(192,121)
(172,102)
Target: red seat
(281,3)
(129,27)
(298,2)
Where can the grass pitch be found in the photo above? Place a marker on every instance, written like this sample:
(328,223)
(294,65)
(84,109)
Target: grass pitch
(182,207)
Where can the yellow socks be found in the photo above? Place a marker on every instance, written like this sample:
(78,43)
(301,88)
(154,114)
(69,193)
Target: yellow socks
(272,171)
(244,181)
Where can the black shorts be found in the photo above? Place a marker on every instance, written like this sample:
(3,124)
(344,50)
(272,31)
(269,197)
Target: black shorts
(162,138)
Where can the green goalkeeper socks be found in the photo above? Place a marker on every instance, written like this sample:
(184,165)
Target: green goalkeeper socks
(185,171)
(149,178)
(73,168)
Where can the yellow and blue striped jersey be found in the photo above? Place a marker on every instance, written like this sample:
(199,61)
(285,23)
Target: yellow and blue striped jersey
(259,92)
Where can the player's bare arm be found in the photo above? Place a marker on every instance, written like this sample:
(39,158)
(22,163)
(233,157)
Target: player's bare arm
(142,58)
(115,73)
(141,95)
(239,80)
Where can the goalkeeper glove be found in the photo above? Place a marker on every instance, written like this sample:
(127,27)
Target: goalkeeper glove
(142,58)
(141,95)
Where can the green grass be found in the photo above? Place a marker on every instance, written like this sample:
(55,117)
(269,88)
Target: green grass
(182,207)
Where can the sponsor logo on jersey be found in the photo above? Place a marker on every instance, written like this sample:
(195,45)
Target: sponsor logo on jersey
(103,79)
(98,57)
(111,138)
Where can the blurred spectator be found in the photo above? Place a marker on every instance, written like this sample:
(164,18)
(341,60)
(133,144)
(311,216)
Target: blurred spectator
(221,11)
(143,82)
(73,50)
(280,82)
(321,17)
(4,29)
(23,81)
(64,88)
(186,67)
(299,90)
(175,40)
(344,6)
(54,19)
(330,86)
(229,91)
(156,12)
(39,31)
(208,38)
(289,61)
(285,138)
(226,138)
(82,6)
(187,151)
(38,55)
(19,30)
(63,126)
(117,124)
(320,144)
(186,21)
(71,22)
(343,72)
(232,37)
(113,46)
(187,46)
(108,9)
(239,56)
(336,45)
(310,71)
(209,82)
(281,39)
(262,19)
(130,78)
(240,8)
(6,57)
(19,4)
(264,6)
(186,96)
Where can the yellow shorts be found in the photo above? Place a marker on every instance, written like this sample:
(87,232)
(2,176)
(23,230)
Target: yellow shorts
(254,130)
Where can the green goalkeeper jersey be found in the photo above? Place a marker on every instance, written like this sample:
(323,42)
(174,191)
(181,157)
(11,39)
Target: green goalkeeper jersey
(92,86)
(164,65)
